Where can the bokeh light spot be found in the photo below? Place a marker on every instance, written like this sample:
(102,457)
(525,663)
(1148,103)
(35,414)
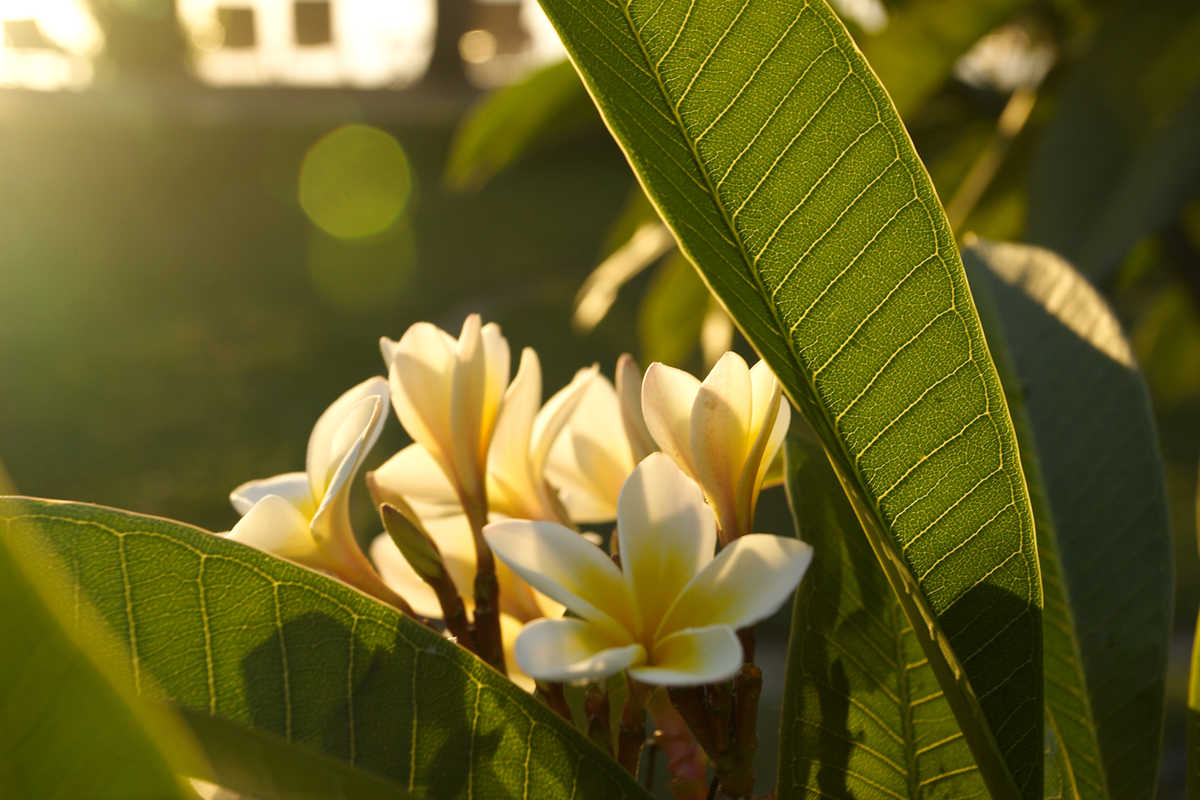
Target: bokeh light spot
(355,181)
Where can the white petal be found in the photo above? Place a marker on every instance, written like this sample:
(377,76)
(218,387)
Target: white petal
(769,426)
(275,526)
(763,387)
(467,442)
(589,488)
(510,629)
(357,433)
(349,427)
(766,432)
(720,436)
(420,377)
(591,459)
(553,417)
(666,533)
(563,565)
(291,486)
(692,657)
(747,582)
(783,419)
(508,458)
(571,650)
(413,474)
(667,398)
(401,579)
(388,348)
(629,390)
(496,354)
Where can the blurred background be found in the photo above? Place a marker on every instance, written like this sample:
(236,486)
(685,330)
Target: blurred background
(210,212)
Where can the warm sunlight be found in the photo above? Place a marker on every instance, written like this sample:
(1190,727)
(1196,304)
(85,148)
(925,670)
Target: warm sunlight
(47,44)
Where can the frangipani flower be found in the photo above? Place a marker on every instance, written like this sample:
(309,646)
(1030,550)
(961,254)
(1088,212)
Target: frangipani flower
(305,516)
(602,442)
(516,461)
(518,602)
(723,432)
(447,395)
(669,614)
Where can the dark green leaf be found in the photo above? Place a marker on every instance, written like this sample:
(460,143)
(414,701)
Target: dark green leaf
(305,665)
(1095,473)
(863,715)
(776,157)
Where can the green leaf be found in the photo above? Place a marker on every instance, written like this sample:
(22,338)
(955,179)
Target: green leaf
(72,727)
(773,153)
(863,715)
(546,105)
(1119,159)
(304,667)
(1057,783)
(1091,456)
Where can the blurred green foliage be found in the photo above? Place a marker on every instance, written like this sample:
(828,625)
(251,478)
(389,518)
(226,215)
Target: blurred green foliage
(171,323)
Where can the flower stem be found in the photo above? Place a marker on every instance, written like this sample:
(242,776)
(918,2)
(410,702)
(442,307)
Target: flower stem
(632,734)
(553,696)
(723,718)
(489,645)
(747,689)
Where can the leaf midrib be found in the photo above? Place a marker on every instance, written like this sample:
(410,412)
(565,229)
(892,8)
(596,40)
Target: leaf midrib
(992,764)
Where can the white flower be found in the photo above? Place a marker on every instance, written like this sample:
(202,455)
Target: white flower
(516,461)
(518,602)
(447,395)
(602,442)
(723,432)
(305,516)
(670,613)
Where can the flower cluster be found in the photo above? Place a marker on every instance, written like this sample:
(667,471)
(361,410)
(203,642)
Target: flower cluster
(493,470)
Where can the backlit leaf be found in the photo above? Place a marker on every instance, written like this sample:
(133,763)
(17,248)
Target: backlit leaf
(263,652)
(774,154)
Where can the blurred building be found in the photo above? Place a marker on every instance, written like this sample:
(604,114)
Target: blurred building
(51,44)
(47,44)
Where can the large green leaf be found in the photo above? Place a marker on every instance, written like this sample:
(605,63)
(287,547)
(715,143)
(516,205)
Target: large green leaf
(72,727)
(772,151)
(863,715)
(266,655)
(1091,456)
